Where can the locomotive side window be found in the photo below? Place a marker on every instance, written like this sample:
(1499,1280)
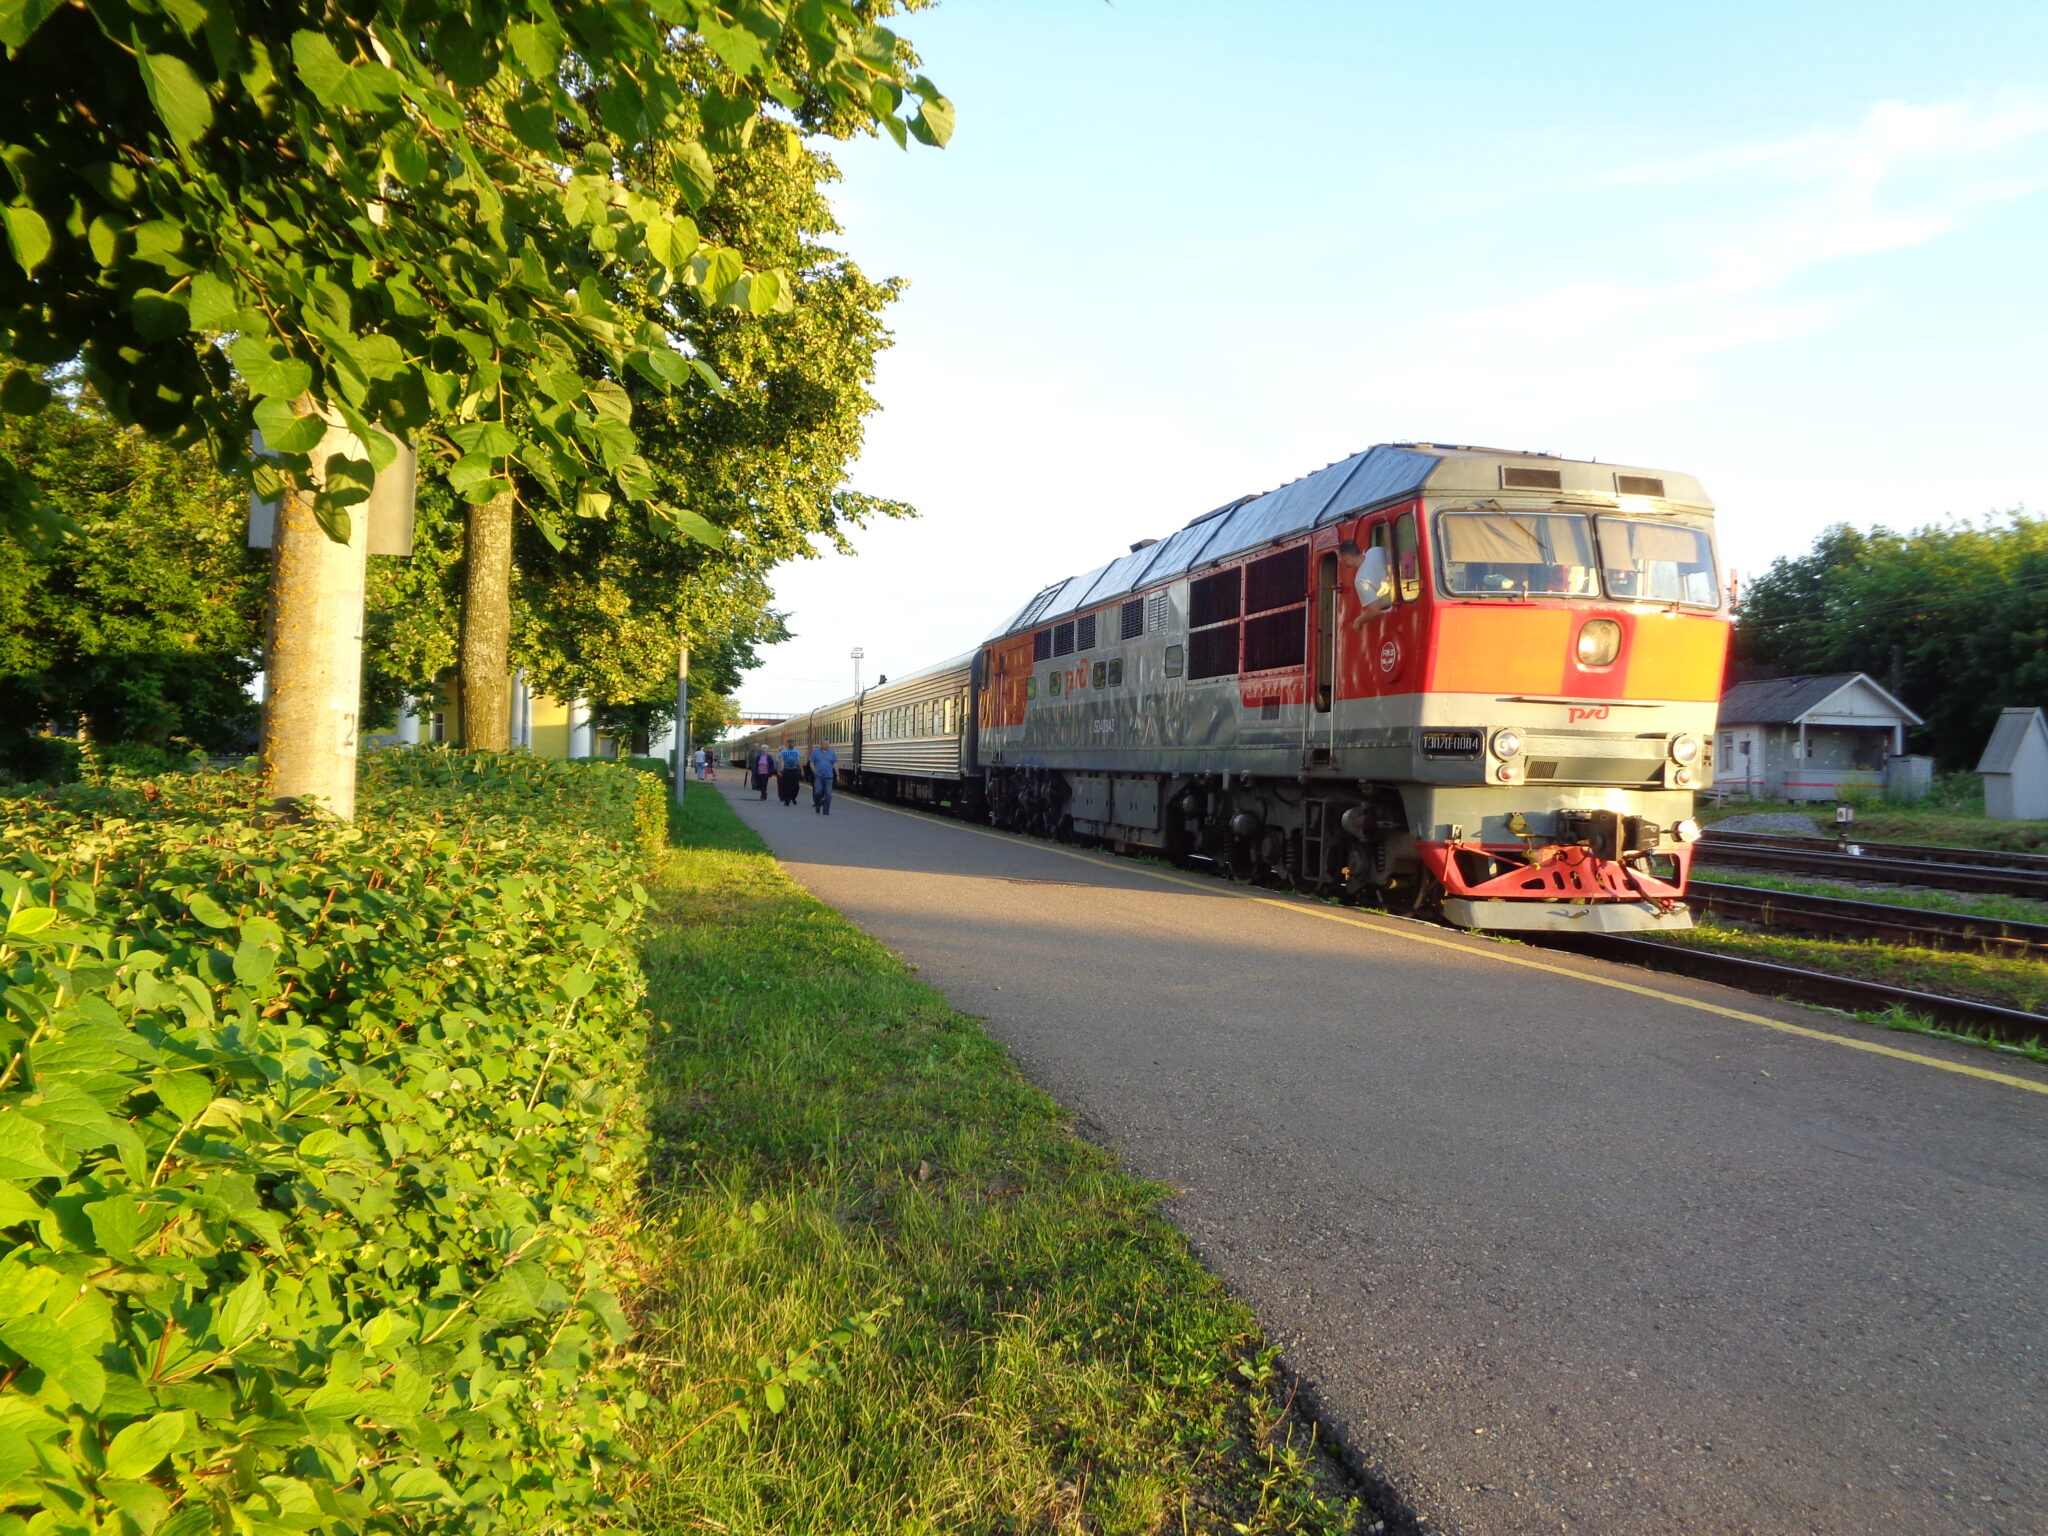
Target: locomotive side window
(1276,602)
(1498,554)
(1407,558)
(1658,562)
(1214,603)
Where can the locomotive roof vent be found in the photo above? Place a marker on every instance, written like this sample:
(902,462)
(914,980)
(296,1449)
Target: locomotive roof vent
(1516,477)
(1143,544)
(1638,485)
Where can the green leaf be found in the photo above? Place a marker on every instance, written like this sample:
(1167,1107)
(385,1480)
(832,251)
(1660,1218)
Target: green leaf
(214,305)
(693,526)
(774,1396)
(207,910)
(22,1155)
(138,1449)
(20,18)
(17,1206)
(28,920)
(321,69)
(533,123)
(59,1354)
(184,1094)
(243,1313)
(181,101)
(159,316)
(690,164)
(255,966)
(933,124)
(27,235)
(284,430)
(268,369)
(577,983)
(22,393)
(420,1483)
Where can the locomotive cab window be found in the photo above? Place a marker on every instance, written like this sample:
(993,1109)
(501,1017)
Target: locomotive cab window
(1516,554)
(1658,562)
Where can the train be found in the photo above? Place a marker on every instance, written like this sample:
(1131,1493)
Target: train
(1446,680)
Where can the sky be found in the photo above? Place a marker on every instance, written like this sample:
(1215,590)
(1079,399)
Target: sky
(1180,251)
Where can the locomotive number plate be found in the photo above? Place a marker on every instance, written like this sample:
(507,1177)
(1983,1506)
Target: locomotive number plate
(1452,743)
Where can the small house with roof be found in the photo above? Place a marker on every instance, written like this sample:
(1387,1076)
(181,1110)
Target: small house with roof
(2015,767)
(1808,738)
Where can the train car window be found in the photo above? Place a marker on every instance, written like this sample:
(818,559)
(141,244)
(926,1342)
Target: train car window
(1131,619)
(1408,557)
(1502,554)
(1084,632)
(1063,639)
(1041,646)
(1658,562)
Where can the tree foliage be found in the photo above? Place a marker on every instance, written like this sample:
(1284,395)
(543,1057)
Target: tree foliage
(1956,615)
(145,627)
(401,210)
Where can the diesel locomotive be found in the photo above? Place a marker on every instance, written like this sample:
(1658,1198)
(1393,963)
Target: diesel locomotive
(1462,680)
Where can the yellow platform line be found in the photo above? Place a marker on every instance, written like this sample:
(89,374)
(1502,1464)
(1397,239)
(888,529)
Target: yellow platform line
(1496,953)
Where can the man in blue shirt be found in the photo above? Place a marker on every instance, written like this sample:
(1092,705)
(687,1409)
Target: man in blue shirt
(789,764)
(824,769)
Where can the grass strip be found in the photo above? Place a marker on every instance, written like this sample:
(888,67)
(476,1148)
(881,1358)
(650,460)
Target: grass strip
(2013,909)
(2009,983)
(888,1288)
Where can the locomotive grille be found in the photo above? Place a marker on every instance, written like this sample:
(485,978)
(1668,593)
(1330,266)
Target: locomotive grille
(1041,645)
(1084,632)
(1131,619)
(1063,639)
(1516,479)
(1156,612)
(1638,485)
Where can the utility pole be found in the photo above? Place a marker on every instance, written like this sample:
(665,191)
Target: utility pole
(683,757)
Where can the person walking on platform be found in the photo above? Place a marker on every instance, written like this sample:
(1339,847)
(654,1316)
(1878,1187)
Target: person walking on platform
(824,766)
(763,769)
(790,765)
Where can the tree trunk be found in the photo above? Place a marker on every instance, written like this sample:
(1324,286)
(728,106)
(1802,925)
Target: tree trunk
(314,673)
(486,661)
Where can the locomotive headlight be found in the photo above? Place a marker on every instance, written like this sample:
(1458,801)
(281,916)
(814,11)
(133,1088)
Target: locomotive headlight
(1599,642)
(1685,749)
(1688,831)
(1507,743)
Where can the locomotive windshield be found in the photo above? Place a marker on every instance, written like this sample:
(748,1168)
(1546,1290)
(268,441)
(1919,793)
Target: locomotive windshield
(1658,562)
(1553,554)
(1520,553)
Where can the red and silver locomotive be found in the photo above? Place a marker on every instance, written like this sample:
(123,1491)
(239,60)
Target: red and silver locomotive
(1459,679)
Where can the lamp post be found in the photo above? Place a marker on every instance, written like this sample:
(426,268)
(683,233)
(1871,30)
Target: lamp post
(858,653)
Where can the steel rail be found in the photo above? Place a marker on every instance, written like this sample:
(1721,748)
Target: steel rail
(1816,987)
(1927,853)
(1871,920)
(1873,870)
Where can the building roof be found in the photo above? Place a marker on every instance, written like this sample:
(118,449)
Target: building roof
(1386,473)
(1789,700)
(2001,753)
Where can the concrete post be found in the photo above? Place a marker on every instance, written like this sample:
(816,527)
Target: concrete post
(581,742)
(408,724)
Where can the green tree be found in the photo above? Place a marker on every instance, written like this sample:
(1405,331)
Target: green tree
(145,627)
(1953,617)
(239,213)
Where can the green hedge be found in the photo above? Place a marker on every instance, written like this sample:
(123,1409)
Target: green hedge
(317,1148)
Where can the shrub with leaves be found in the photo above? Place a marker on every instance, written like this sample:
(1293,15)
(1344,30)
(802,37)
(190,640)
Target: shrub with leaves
(317,1144)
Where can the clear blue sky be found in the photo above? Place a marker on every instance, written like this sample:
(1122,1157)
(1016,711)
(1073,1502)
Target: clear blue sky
(1178,251)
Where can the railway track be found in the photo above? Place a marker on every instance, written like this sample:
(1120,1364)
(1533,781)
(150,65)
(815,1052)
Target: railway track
(1877,864)
(1871,920)
(1928,853)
